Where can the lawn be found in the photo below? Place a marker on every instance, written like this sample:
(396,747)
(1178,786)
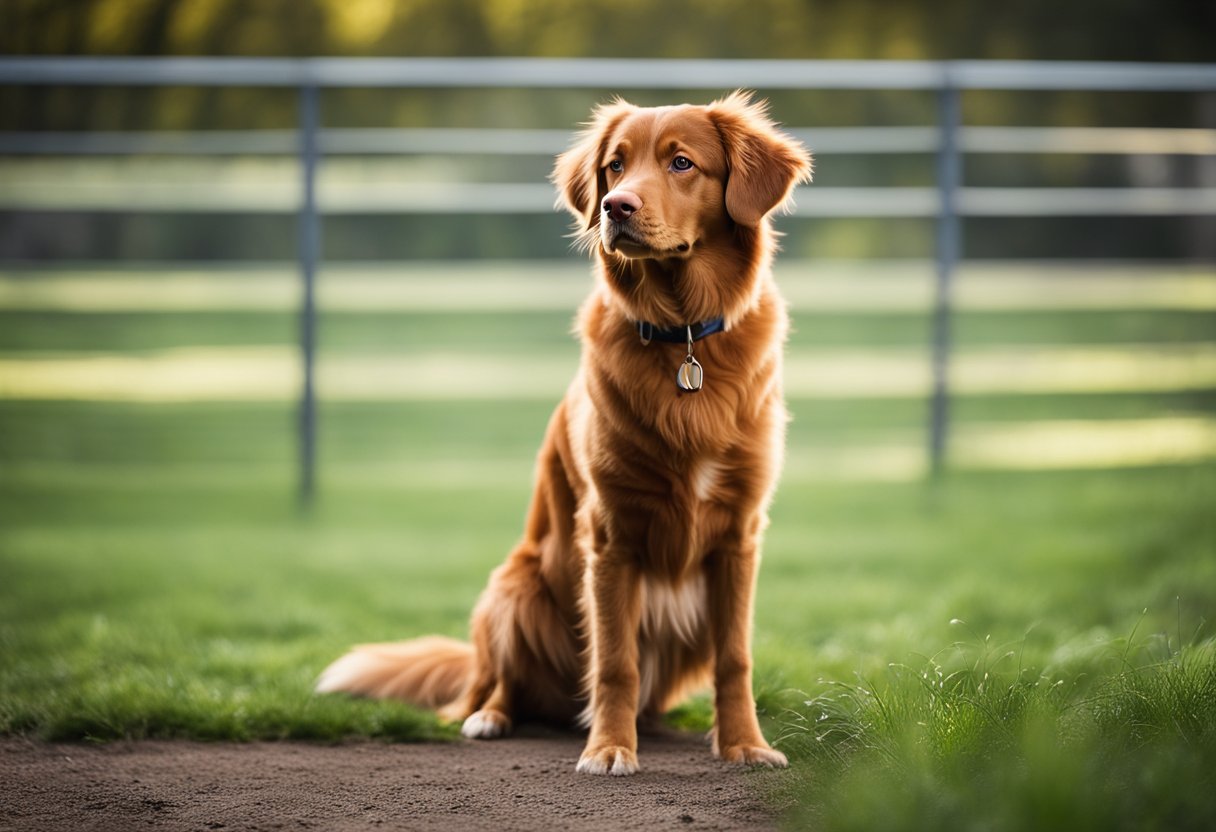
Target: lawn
(1007,649)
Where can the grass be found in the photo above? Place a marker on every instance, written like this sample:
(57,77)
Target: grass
(157,580)
(144,598)
(524,332)
(971,740)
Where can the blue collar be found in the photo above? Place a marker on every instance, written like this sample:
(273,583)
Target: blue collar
(679,334)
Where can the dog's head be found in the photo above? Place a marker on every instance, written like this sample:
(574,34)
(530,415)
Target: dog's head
(661,182)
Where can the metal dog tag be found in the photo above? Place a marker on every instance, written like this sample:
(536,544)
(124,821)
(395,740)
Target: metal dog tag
(690,375)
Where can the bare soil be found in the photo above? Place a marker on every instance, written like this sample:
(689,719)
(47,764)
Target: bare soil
(526,782)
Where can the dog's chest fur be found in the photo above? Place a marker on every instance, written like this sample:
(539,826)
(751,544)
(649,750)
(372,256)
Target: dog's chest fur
(672,472)
(673,611)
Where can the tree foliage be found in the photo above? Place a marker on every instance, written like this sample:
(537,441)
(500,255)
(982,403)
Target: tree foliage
(1125,30)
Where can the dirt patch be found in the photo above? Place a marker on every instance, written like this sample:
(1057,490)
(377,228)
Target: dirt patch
(526,782)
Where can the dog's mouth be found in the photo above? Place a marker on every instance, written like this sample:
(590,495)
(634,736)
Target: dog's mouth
(627,245)
(622,240)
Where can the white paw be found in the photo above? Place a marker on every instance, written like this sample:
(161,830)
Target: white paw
(615,760)
(486,724)
(754,755)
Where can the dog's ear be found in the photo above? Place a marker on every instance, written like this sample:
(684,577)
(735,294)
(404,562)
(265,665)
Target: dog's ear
(764,164)
(580,181)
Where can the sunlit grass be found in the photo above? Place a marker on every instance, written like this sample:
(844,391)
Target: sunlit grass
(973,738)
(204,606)
(271,372)
(854,289)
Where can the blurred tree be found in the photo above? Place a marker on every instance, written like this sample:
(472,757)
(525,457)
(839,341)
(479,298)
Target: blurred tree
(1166,30)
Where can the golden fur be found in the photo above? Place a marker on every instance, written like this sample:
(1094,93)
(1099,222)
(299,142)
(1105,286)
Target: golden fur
(634,581)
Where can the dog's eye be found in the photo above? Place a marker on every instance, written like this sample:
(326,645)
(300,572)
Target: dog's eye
(681,164)
(616,166)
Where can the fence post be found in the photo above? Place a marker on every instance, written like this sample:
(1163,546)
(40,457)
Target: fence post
(309,241)
(949,175)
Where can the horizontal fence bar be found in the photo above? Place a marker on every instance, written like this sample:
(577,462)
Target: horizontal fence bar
(1104,140)
(335,141)
(343,198)
(446,140)
(152,143)
(390,141)
(1081,75)
(606,74)
(1089,202)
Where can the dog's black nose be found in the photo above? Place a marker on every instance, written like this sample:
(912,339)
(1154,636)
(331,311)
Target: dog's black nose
(621,205)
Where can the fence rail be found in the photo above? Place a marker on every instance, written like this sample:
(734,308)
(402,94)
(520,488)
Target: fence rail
(949,140)
(368,198)
(608,74)
(491,141)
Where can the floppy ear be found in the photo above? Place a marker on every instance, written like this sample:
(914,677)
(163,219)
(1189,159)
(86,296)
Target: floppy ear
(577,175)
(763,163)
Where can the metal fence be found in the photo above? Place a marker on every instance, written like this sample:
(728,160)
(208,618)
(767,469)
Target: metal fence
(948,201)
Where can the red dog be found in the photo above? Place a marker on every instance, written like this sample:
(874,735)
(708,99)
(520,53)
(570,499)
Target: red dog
(634,581)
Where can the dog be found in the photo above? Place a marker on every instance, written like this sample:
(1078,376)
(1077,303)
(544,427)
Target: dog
(635,578)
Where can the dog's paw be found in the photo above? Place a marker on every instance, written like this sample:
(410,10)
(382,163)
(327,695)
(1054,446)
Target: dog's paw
(616,760)
(486,724)
(456,712)
(754,755)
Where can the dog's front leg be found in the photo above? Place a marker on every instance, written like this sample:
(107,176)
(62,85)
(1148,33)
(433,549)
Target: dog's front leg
(732,583)
(613,607)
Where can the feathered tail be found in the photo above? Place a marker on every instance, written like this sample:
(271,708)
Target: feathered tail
(429,671)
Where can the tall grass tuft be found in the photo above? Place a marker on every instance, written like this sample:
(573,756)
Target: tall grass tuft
(970,739)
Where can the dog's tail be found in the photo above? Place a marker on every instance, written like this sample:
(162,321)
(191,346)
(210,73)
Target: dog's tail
(429,671)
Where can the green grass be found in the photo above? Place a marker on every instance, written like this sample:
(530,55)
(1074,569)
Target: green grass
(157,580)
(145,597)
(525,332)
(1012,652)
(974,740)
